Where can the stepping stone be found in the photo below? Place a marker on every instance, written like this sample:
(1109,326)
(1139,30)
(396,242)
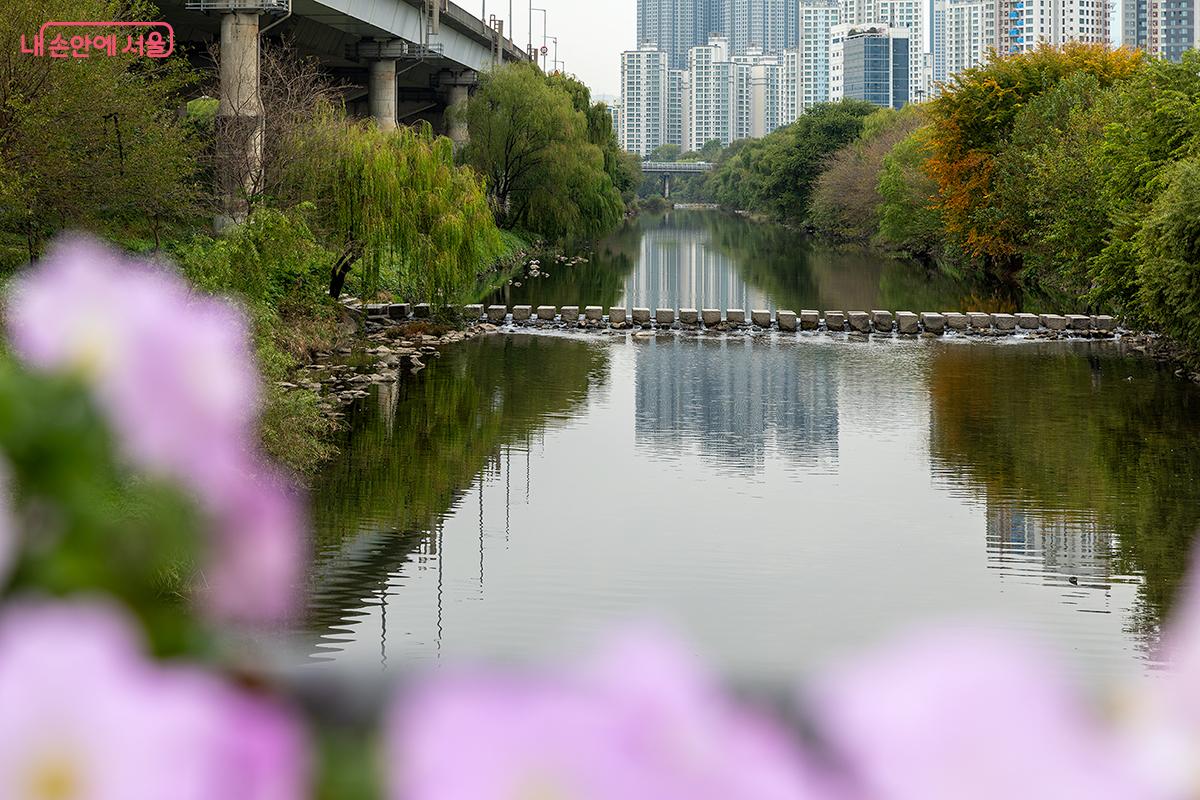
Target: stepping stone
(907,322)
(934,323)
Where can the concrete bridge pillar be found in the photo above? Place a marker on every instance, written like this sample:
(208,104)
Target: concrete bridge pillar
(239,116)
(381,92)
(456,88)
(666,186)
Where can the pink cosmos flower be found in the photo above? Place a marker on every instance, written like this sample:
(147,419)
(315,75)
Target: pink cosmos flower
(86,716)
(259,550)
(8,531)
(171,368)
(645,724)
(963,714)
(1160,717)
(173,371)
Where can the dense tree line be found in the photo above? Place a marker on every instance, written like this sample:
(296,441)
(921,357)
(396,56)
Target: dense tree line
(1068,171)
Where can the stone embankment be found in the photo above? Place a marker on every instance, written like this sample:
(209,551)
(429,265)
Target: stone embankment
(393,344)
(904,323)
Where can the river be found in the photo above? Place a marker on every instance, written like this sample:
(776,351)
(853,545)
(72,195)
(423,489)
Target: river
(781,499)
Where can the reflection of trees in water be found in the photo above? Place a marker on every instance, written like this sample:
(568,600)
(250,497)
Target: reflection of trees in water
(599,282)
(415,447)
(716,260)
(730,400)
(1063,447)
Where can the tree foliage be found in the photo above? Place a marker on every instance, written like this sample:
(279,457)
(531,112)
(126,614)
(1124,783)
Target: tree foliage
(776,175)
(88,142)
(547,153)
(973,120)
(396,203)
(846,201)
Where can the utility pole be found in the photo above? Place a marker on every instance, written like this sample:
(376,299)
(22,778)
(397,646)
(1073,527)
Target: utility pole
(555,61)
(532,52)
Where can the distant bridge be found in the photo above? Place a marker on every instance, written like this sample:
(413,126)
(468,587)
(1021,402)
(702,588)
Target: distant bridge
(669,168)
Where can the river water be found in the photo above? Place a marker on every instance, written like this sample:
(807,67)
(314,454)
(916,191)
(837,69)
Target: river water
(781,499)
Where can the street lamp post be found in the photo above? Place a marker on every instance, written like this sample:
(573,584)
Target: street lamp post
(544,15)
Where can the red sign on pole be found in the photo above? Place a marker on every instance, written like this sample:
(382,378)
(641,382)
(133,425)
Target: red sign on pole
(545,50)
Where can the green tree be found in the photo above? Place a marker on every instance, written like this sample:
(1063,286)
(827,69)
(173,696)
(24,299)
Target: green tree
(534,145)
(1168,250)
(394,202)
(93,143)
(666,152)
(776,175)
(846,201)
(971,123)
(908,216)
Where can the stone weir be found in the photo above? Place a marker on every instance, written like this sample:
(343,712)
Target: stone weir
(865,322)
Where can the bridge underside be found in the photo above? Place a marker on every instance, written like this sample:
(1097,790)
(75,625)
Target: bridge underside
(344,35)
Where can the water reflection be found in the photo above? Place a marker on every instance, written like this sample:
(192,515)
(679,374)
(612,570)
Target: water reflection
(1089,463)
(730,401)
(707,259)
(411,453)
(781,500)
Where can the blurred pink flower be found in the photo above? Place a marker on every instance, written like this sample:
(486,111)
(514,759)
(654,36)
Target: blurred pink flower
(1160,717)
(8,529)
(171,368)
(647,723)
(86,715)
(174,372)
(259,548)
(964,714)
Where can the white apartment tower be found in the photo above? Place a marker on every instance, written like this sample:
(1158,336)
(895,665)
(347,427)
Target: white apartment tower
(1026,24)
(817,18)
(714,110)
(964,33)
(644,106)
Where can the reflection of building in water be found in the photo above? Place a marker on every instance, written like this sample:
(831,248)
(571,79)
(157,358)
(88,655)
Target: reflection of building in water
(1071,548)
(730,401)
(681,269)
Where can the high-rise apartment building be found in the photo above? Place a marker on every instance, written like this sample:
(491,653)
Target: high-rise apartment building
(679,88)
(669,24)
(906,14)
(712,94)
(869,62)
(1024,25)
(644,86)
(1163,28)
(964,34)
(817,18)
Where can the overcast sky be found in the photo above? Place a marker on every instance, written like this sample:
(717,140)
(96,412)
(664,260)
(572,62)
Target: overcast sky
(591,34)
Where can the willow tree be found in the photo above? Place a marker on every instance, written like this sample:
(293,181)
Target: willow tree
(531,143)
(394,204)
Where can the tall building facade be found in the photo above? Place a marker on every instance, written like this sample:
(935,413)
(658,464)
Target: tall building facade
(1025,25)
(816,21)
(870,62)
(906,14)
(964,34)
(644,104)
(1163,28)
(712,93)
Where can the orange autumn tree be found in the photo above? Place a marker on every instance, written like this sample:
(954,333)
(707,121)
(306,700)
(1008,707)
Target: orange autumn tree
(972,120)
